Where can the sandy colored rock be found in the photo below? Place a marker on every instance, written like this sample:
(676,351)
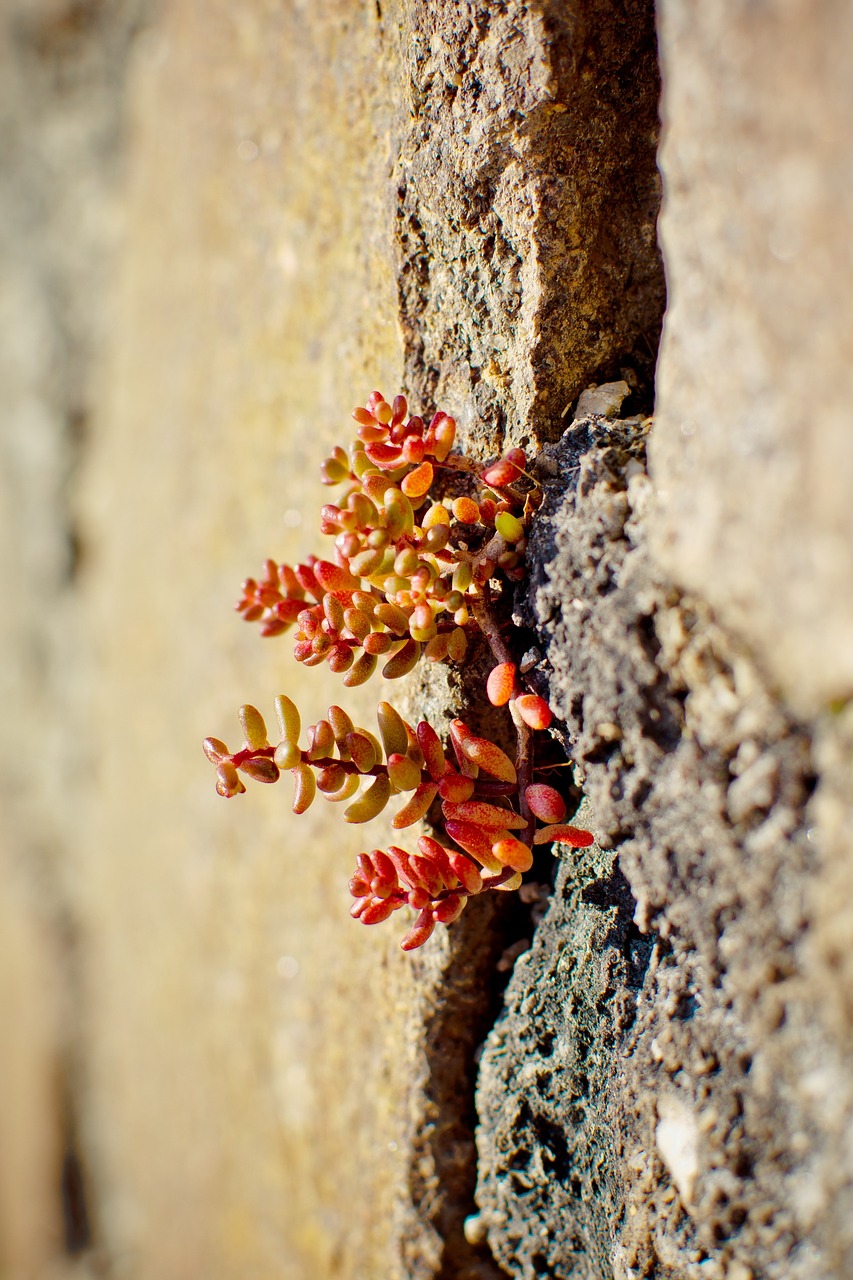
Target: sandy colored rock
(527,194)
(227,225)
(752,444)
(31,1102)
(246,1090)
(60,112)
(606,400)
(215,412)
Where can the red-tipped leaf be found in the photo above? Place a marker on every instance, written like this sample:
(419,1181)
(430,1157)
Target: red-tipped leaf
(562,833)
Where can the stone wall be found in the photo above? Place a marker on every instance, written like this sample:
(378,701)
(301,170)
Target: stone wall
(221,226)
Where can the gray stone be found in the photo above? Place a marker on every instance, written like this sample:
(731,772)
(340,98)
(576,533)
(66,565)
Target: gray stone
(605,400)
(665,1018)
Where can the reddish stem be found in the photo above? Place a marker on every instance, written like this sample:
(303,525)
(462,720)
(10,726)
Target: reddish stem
(486,621)
(348,766)
(240,757)
(483,788)
(458,462)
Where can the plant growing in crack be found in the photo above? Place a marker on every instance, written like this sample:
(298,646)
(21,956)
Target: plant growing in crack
(412,575)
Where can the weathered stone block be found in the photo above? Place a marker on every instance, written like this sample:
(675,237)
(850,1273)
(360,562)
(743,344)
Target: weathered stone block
(752,445)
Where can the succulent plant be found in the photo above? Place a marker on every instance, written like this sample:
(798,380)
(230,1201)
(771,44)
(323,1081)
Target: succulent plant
(409,578)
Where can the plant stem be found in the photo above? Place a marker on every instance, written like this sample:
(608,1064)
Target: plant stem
(481,611)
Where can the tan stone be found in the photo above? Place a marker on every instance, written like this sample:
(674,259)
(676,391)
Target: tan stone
(30,1101)
(268,1089)
(245,1076)
(752,450)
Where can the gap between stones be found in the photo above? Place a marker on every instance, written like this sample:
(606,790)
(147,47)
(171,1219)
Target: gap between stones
(567,158)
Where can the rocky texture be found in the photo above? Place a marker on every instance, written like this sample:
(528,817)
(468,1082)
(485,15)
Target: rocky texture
(681,1082)
(549,1192)
(320,199)
(751,454)
(255,301)
(752,447)
(527,196)
(225,1057)
(491,159)
(752,443)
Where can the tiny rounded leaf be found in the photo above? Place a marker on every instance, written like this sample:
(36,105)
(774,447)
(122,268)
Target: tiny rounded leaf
(562,833)
(482,753)
(403,661)
(416,806)
(287,714)
(533,710)
(261,770)
(372,803)
(500,685)
(392,728)
(305,787)
(545,803)
(403,772)
(512,853)
(215,750)
(287,755)
(253,726)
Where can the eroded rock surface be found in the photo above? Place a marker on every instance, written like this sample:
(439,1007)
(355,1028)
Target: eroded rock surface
(527,198)
(460,199)
(753,447)
(649,1100)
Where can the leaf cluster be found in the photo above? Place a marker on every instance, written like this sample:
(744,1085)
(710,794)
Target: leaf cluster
(409,576)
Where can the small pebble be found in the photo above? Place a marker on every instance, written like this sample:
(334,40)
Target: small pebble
(475,1229)
(605,400)
(530,660)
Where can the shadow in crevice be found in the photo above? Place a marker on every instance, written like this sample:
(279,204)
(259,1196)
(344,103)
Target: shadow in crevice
(76,1219)
(596,313)
(474,982)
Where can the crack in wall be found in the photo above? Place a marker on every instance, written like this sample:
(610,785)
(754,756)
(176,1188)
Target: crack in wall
(526,194)
(686,1006)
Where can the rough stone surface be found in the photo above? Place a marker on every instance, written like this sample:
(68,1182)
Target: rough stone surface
(207,1068)
(256,299)
(665,1091)
(527,196)
(548,1194)
(605,400)
(752,444)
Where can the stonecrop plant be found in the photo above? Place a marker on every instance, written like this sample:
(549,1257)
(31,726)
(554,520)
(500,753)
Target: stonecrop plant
(410,576)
